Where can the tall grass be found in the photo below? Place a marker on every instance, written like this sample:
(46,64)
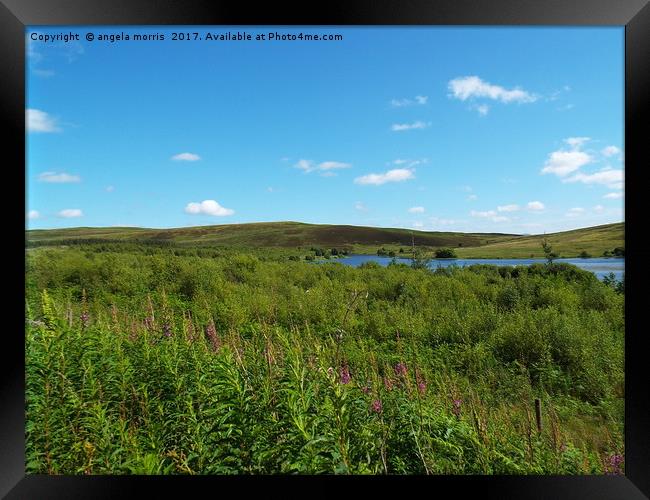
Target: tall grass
(176,364)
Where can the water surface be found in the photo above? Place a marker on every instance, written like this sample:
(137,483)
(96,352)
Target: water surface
(601,266)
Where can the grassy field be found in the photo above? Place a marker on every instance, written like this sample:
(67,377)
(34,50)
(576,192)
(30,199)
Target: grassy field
(594,240)
(298,238)
(144,359)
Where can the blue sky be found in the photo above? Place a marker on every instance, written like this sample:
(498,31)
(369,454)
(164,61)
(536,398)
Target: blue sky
(514,130)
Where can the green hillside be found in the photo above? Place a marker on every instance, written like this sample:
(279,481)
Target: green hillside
(355,239)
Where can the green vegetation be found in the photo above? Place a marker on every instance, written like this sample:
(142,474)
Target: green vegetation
(300,239)
(155,359)
(446,253)
(594,240)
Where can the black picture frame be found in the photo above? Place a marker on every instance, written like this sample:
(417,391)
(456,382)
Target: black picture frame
(15,15)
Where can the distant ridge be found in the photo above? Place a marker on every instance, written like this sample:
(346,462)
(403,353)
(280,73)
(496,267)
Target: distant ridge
(361,239)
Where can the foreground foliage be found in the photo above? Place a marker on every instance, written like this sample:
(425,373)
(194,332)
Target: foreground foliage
(144,361)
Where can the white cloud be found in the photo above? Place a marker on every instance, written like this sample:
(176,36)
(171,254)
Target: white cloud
(398,127)
(110,189)
(471,87)
(562,163)
(577,142)
(40,121)
(598,209)
(489,214)
(418,224)
(395,175)
(329,165)
(610,151)
(186,157)
(508,208)
(610,178)
(535,205)
(575,212)
(309,166)
(613,196)
(70,212)
(485,214)
(33,214)
(483,109)
(416,210)
(59,178)
(417,100)
(408,162)
(208,207)
(360,206)
(472,197)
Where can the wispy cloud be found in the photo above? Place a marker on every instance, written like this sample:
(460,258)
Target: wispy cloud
(360,207)
(613,196)
(489,214)
(613,179)
(400,127)
(535,206)
(58,178)
(508,208)
(472,197)
(395,175)
(610,151)
(417,100)
(483,109)
(40,121)
(208,207)
(416,210)
(408,163)
(33,214)
(186,157)
(472,87)
(68,213)
(308,166)
(575,212)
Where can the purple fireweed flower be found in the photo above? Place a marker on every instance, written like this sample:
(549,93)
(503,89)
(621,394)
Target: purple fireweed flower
(344,375)
(211,334)
(614,465)
(422,385)
(85,318)
(376,406)
(456,409)
(167,330)
(400,369)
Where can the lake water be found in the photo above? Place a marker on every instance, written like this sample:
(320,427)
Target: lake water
(599,266)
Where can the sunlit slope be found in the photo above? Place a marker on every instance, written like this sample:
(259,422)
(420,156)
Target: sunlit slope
(593,240)
(359,239)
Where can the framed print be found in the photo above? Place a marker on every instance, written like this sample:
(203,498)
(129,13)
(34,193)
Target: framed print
(312,244)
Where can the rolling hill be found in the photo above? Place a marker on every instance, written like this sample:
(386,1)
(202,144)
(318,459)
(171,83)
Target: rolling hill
(356,239)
